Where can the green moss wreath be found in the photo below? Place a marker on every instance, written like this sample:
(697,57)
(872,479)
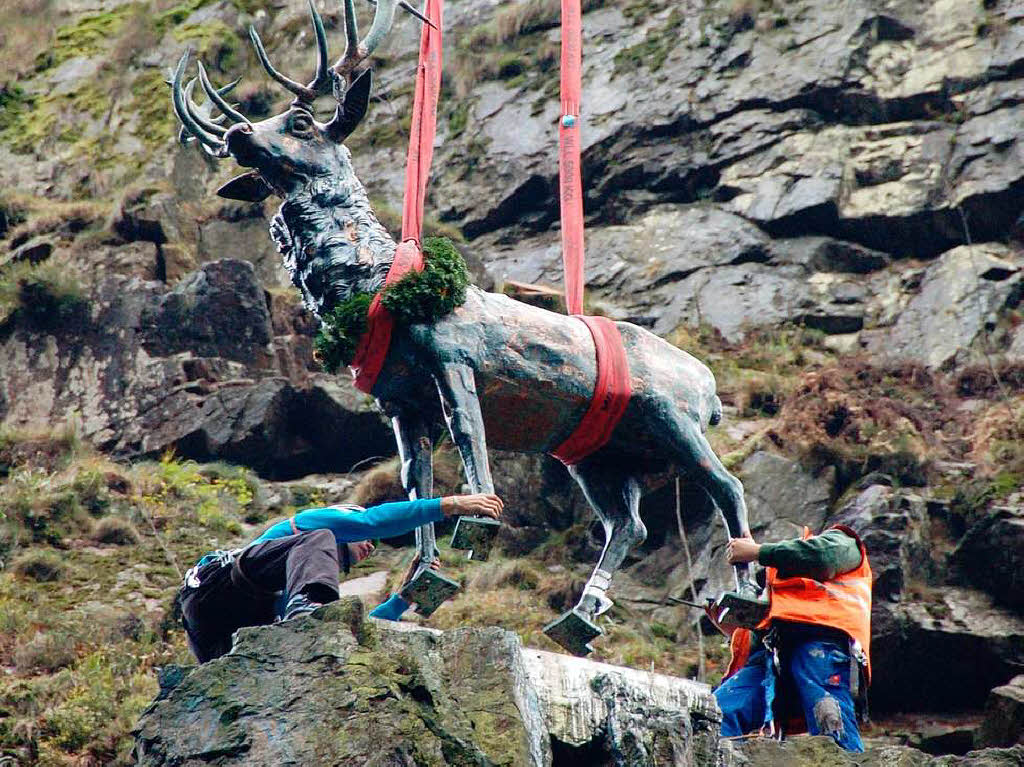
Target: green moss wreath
(418,297)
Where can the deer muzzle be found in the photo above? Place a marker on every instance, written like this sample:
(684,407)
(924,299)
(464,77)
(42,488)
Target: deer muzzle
(239,140)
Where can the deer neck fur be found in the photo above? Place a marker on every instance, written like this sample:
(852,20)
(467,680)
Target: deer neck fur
(331,242)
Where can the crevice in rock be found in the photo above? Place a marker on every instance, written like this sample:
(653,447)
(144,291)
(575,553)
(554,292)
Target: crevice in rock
(593,753)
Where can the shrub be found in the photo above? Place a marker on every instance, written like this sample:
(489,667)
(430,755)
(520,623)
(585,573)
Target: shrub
(46,652)
(90,485)
(380,484)
(508,574)
(117,531)
(39,565)
(41,509)
(45,294)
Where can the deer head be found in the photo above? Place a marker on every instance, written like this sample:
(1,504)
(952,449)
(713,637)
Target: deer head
(290,150)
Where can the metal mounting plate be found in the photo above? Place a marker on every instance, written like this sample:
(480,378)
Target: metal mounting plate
(429,590)
(573,632)
(476,534)
(746,612)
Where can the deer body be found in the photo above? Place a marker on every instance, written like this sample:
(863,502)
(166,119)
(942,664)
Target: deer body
(500,372)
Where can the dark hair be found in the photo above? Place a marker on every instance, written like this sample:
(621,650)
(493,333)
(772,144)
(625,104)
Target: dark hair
(346,558)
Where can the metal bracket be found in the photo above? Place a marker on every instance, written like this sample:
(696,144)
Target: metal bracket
(476,534)
(429,589)
(573,632)
(742,611)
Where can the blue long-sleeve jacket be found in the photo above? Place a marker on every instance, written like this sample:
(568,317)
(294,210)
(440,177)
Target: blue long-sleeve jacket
(384,521)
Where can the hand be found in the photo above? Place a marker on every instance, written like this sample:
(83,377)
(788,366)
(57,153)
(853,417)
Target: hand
(413,566)
(719,620)
(359,550)
(476,505)
(742,550)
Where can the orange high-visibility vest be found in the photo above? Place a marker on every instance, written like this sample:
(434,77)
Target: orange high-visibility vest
(843,603)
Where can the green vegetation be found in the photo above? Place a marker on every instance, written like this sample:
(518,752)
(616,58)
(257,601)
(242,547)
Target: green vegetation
(655,48)
(87,36)
(115,530)
(172,17)
(156,121)
(45,295)
(418,297)
(84,627)
(214,42)
(40,565)
(432,293)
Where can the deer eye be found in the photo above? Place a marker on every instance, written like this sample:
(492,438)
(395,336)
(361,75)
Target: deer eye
(301,124)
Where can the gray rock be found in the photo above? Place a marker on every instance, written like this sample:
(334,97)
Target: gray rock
(241,232)
(782,497)
(944,652)
(219,311)
(898,530)
(959,295)
(333,688)
(818,750)
(918,618)
(198,369)
(991,556)
(34,251)
(1004,716)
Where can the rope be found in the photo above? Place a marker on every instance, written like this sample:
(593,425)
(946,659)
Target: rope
(701,670)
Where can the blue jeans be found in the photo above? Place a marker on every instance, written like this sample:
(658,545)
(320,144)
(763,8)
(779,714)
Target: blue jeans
(819,670)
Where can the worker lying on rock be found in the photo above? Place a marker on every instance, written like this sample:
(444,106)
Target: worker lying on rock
(813,645)
(300,559)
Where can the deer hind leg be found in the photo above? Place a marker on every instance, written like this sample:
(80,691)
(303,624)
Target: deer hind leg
(615,498)
(699,462)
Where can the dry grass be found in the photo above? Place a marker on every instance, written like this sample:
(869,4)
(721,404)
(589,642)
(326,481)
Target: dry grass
(40,565)
(20,42)
(863,418)
(383,482)
(65,219)
(116,531)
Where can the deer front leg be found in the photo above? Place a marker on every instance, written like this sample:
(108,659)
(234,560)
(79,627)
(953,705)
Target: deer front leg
(428,589)
(457,388)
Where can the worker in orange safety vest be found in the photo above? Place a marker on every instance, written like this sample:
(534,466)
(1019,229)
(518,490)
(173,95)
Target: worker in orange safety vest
(812,647)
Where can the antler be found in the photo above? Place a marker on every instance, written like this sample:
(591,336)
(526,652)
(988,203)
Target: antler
(356,52)
(204,129)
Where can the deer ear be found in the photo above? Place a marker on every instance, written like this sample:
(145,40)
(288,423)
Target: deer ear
(351,111)
(249,187)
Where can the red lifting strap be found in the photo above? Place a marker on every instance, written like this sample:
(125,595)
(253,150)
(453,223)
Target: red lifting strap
(611,394)
(373,346)
(570,180)
(612,389)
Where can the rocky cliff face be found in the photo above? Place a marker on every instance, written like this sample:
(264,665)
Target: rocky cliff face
(821,200)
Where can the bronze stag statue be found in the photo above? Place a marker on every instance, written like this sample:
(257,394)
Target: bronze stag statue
(509,375)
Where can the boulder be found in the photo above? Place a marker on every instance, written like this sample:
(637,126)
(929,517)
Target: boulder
(943,651)
(1004,716)
(918,617)
(990,556)
(699,263)
(204,368)
(335,688)
(218,311)
(899,530)
(818,751)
